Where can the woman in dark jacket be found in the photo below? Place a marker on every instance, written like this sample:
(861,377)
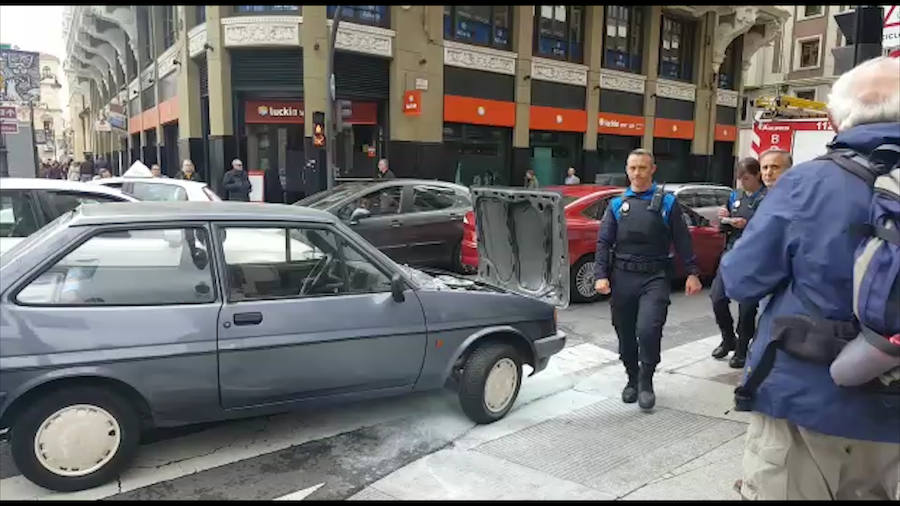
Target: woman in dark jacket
(187,172)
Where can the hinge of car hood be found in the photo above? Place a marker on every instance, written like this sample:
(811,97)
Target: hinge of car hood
(522,242)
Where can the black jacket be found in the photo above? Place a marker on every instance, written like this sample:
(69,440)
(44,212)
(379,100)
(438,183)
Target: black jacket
(237,185)
(388,174)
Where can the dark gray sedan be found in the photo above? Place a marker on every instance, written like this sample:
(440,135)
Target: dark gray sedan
(120,317)
(414,221)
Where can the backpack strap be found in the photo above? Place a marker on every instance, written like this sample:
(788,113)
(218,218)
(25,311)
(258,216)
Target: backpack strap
(854,163)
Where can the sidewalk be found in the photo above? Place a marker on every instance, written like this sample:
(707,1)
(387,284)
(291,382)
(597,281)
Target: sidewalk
(584,443)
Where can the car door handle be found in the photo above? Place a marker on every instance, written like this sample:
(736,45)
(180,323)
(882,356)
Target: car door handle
(395,223)
(248,318)
(455,217)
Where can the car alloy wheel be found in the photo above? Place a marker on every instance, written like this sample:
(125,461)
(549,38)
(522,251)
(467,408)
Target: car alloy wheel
(500,387)
(584,280)
(77,440)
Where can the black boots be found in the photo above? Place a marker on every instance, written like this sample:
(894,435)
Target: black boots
(724,348)
(646,397)
(629,393)
(740,354)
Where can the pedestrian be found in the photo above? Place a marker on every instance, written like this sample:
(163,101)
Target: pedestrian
(74,173)
(104,174)
(155,170)
(572,178)
(102,163)
(773,162)
(734,218)
(639,226)
(237,183)
(383,171)
(86,167)
(531,180)
(808,438)
(187,172)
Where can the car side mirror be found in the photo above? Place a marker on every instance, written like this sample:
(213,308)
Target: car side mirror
(397,287)
(358,214)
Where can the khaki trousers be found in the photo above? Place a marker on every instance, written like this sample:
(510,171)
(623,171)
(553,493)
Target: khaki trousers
(783,461)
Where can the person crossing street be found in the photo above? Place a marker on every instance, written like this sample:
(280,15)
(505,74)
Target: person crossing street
(633,263)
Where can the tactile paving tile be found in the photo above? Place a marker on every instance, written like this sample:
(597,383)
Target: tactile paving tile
(599,438)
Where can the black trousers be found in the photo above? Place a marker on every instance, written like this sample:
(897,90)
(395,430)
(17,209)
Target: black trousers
(746,313)
(640,304)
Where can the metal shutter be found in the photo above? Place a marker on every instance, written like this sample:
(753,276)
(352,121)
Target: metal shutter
(267,69)
(204,77)
(360,76)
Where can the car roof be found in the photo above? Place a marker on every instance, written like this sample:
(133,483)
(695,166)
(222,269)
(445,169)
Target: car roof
(681,186)
(153,180)
(155,212)
(34,183)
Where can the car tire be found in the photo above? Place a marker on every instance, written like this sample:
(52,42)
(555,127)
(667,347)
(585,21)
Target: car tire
(490,382)
(97,409)
(578,290)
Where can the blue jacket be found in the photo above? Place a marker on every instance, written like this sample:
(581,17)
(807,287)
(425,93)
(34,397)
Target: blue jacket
(672,216)
(798,241)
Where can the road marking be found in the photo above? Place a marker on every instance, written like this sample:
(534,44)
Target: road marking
(300,494)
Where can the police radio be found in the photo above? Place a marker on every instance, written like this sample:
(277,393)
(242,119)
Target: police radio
(656,202)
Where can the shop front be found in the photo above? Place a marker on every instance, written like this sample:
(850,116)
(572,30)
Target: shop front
(617,135)
(672,149)
(723,155)
(556,141)
(478,141)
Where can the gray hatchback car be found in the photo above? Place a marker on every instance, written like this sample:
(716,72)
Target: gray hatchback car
(120,317)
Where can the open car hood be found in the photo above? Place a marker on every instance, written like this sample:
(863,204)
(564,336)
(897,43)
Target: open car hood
(522,242)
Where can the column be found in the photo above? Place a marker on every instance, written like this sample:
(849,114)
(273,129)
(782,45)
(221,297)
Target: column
(416,142)
(190,136)
(651,70)
(222,143)
(593,45)
(707,83)
(314,32)
(523,36)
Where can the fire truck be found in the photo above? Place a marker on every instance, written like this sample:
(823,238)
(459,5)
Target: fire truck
(793,124)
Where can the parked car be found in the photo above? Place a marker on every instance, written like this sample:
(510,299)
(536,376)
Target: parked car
(161,189)
(27,204)
(611,178)
(704,198)
(584,208)
(118,318)
(414,221)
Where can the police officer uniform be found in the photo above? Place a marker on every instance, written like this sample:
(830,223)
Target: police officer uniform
(740,205)
(635,237)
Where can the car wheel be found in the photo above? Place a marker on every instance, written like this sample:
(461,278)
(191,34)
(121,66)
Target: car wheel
(581,280)
(490,382)
(76,438)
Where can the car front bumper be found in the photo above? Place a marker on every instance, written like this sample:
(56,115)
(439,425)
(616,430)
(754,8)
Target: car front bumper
(545,348)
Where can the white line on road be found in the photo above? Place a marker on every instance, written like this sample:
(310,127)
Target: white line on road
(300,494)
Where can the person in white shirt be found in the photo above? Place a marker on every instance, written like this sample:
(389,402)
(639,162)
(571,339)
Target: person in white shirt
(572,178)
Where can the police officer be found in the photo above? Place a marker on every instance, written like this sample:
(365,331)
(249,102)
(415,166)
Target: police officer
(741,206)
(638,228)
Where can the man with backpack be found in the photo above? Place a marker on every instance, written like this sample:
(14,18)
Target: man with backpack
(825,245)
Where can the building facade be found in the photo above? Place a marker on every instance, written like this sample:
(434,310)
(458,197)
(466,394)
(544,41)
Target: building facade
(50,120)
(474,94)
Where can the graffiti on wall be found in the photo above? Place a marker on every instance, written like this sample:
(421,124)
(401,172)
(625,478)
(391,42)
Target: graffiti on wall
(20,79)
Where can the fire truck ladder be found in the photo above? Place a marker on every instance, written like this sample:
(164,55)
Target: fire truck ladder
(784,107)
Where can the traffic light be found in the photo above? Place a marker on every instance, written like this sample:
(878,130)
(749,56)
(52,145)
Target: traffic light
(319,129)
(863,30)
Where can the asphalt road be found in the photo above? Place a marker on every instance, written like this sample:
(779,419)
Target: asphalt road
(334,453)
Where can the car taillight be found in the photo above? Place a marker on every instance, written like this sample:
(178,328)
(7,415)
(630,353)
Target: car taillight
(469,218)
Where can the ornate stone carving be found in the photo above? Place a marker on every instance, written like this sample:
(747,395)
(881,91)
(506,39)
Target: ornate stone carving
(728,30)
(479,58)
(364,39)
(674,89)
(196,40)
(558,72)
(262,31)
(727,98)
(622,81)
(165,61)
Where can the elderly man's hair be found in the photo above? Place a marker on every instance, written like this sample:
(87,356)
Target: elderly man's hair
(786,154)
(878,101)
(643,152)
(238,160)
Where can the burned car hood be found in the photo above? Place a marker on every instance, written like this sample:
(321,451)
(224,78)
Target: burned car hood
(522,242)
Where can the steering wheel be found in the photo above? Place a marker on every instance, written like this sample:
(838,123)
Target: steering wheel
(319,269)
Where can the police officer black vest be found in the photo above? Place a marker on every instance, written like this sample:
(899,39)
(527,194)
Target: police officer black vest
(641,231)
(743,207)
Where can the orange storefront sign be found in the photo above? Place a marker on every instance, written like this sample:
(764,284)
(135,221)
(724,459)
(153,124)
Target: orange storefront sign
(412,102)
(673,128)
(620,124)
(479,111)
(167,113)
(726,133)
(556,119)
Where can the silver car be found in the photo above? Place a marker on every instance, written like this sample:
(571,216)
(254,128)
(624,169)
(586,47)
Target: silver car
(705,198)
(116,318)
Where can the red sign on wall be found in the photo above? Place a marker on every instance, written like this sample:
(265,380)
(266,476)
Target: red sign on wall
(412,102)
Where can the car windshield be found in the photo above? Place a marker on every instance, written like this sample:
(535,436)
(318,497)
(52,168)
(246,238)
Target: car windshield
(158,192)
(328,198)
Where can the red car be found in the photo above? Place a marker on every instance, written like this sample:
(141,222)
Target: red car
(585,205)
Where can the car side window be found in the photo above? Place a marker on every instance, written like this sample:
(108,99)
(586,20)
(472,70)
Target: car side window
(64,202)
(707,198)
(155,192)
(722,197)
(432,198)
(383,202)
(595,211)
(129,267)
(294,262)
(19,215)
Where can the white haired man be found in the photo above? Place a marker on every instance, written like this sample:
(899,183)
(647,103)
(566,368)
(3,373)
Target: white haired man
(808,437)
(236,182)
